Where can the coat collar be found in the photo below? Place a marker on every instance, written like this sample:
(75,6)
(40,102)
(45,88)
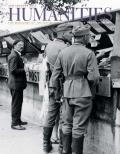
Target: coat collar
(78,44)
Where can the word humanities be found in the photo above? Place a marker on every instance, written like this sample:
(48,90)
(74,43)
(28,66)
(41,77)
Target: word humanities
(42,14)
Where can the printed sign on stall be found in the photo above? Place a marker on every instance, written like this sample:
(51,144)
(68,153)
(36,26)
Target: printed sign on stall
(32,76)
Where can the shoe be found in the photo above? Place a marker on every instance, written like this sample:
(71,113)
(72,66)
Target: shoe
(60,147)
(77,145)
(47,145)
(67,140)
(18,127)
(23,123)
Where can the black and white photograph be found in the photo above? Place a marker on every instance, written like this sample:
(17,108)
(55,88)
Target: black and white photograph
(59,77)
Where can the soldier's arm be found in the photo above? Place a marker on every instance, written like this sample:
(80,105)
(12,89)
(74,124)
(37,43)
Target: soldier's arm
(92,69)
(56,72)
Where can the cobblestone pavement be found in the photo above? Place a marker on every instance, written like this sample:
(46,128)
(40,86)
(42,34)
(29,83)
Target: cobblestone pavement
(27,141)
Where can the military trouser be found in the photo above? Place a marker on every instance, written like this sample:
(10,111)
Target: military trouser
(76,114)
(53,111)
(52,116)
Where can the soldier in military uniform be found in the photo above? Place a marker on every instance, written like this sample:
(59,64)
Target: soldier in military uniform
(79,66)
(52,50)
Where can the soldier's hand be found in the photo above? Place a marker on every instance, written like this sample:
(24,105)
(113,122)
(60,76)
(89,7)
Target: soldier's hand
(51,91)
(58,101)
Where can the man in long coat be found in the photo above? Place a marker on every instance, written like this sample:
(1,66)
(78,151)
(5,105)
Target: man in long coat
(17,83)
(79,66)
(52,50)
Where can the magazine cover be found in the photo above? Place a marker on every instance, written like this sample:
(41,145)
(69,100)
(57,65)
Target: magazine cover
(59,77)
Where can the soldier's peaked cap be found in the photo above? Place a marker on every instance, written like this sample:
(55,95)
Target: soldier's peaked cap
(81,30)
(64,27)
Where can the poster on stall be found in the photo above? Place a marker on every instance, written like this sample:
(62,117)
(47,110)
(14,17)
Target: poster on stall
(27,28)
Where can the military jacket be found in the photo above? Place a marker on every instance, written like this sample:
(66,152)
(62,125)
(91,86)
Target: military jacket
(80,64)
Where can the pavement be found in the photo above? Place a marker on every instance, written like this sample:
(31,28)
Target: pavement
(27,141)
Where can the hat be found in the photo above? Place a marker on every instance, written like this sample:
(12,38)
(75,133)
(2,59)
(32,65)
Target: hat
(64,27)
(81,30)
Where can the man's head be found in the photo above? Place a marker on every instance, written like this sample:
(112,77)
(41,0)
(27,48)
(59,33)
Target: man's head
(64,32)
(18,45)
(81,34)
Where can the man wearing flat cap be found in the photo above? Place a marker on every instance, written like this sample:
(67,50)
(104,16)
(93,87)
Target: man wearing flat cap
(52,50)
(79,66)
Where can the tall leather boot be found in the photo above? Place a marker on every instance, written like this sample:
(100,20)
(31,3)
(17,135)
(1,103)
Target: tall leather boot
(60,148)
(77,145)
(67,140)
(47,132)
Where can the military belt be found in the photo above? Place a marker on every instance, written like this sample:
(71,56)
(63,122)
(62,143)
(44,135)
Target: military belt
(74,77)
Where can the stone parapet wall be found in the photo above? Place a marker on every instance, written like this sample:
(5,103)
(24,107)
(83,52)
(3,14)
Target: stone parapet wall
(100,138)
